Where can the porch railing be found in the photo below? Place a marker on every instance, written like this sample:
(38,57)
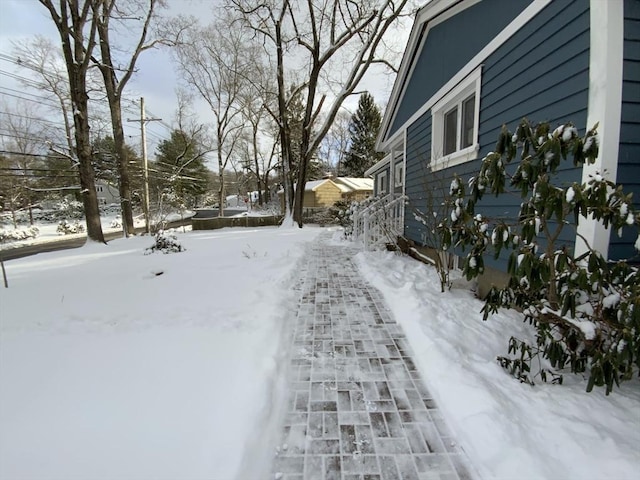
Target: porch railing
(380,222)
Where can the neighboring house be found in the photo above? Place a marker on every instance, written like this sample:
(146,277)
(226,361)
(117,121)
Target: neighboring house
(107,194)
(326,192)
(471,66)
(358,189)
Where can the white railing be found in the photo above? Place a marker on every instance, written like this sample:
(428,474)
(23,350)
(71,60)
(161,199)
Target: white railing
(380,222)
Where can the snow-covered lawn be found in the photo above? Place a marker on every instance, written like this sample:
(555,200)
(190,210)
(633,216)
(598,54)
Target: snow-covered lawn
(119,365)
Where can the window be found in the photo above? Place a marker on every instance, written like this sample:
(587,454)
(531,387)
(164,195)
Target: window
(382,183)
(398,166)
(450,131)
(468,121)
(454,120)
(398,174)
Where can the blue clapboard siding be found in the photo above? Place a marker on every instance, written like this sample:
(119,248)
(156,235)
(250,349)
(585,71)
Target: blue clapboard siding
(540,73)
(629,153)
(449,46)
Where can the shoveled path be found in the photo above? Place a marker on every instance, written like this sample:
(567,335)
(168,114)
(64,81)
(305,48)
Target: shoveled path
(357,407)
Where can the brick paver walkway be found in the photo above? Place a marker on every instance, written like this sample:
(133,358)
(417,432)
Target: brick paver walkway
(357,408)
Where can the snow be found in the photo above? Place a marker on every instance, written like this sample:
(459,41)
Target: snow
(117,365)
(571,193)
(454,187)
(109,370)
(508,429)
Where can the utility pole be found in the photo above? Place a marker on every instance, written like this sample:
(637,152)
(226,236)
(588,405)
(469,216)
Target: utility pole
(145,170)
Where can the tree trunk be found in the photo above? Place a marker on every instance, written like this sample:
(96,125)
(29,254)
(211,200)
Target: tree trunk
(115,108)
(221,196)
(256,163)
(71,22)
(284,122)
(87,184)
(124,181)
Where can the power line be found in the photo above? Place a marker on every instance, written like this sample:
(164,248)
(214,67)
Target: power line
(18,169)
(53,155)
(37,119)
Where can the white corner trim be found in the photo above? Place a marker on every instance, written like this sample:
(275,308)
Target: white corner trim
(404,169)
(516,24)
(605,106)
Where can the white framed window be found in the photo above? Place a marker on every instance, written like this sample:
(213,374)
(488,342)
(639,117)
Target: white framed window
(382,183)
(398,174)
(454,124)
(397,164)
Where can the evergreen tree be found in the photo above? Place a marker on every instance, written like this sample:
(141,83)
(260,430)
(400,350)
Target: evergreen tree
(105,164)
(183,176)
(364,127)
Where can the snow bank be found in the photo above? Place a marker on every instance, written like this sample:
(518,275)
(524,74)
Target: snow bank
(508,429)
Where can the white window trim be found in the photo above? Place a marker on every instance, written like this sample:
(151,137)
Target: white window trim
(397,158)
(398,174)
(379,178)
(469,86)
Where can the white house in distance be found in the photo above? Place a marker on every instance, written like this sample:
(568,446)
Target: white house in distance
(107,194)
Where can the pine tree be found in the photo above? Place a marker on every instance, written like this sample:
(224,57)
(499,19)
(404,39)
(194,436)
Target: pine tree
(364,127)
(180,164)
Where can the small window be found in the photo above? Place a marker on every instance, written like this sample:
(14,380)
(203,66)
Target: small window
(455,122)
(382,183)
(451,131)
(468,110)
(398,174)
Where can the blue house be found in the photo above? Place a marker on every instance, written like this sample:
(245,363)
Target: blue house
(472,66)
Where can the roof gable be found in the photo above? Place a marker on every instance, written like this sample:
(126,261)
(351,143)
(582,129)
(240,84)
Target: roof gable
(445,36)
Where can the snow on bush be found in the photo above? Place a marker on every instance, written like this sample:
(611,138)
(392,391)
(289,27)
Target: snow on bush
(65,209)
(165,242)
(585,309)
(67,228)
(12,235)
(116,222)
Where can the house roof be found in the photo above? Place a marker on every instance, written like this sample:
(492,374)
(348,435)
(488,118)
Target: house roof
(385,160)
(315,184)
(344,184)
(354,183)
(427,12)
(430,15)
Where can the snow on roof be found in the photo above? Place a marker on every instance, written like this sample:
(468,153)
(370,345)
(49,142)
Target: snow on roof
(309,186)
(345,184)
(355,183)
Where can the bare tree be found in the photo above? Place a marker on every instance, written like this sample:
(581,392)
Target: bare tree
(76,26)
(335,42)
(42,57)
(260,143)
(21,135)
(335,144)
(216,62)
(117,16)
